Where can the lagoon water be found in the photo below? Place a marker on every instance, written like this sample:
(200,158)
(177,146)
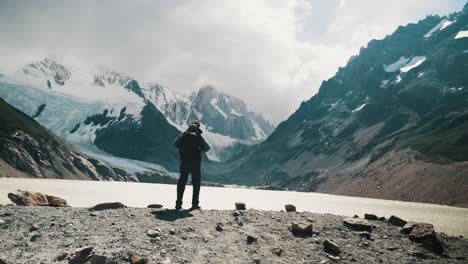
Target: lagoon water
(451,220)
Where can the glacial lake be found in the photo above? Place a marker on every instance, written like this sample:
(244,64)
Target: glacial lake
(451,220)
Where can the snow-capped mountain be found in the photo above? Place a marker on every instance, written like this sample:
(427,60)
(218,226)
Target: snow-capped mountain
(100,112)
(108,114)
(227,123)
(391,124)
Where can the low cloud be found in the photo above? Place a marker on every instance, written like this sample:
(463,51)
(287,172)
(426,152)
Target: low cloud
(272,54)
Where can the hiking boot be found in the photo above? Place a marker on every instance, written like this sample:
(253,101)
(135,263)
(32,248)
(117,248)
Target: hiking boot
(195,208)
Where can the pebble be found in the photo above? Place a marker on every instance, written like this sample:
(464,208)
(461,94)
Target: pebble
(1,221)
(153,233)
(278,251)
(172,231)
(33,228)
(35,237)
(251,239)
(256,260)
(98,259)
(235,213)
(219,227)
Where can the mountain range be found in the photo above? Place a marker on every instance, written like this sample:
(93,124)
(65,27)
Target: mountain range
(110,115)
(392,123)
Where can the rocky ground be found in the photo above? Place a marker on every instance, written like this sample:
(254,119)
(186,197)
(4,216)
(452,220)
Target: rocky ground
(41,234)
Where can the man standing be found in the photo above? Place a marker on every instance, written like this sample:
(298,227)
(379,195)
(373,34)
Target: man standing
(190,145)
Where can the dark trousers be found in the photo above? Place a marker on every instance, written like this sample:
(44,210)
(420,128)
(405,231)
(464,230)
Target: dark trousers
(192,167)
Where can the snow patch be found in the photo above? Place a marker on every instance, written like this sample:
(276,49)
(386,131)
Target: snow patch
(462,34)
(259,134)
(359,108)
(396,65)
(442,24)
(384,82)
(413,63)
(398,79)
(214,103)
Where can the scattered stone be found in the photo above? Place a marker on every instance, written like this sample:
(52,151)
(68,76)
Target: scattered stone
(335,258)
(155,206)
(323,261)
(154,240)
(1,221)
(235,213)
(172,231)
(35,237)
(396,221)
(358,224)
(365,235)
(82,253)
(240,206)
(310,220)
(372,217)
(290,208)
(331,247)
(26,198)
(420,255)
(392,248)
(219,227)
(167,261)
(138,260)
(93,214)
(407,228)
(278,251)
(424,233)
(381,218)
(33,228)
(153,233)
(98,259)
(355,216)
(61,256)
(301,230)
(105,206)
(251,239)
(256,260)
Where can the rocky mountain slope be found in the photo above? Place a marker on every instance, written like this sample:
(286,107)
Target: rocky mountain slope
(228,123)
(29,150)
(391,124)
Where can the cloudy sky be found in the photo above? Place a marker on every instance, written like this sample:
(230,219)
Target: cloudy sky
(273,54)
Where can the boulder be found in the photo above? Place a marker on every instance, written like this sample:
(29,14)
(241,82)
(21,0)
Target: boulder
(26,198)
(155,206)
(251,239)
(396,221)
(372,217)
(357,224)
(290,208)
(424,233)
(240,206)
(331,247)
(407,228)
(105,206)
(301,230)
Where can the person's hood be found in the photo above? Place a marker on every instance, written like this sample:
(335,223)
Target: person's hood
(192,128)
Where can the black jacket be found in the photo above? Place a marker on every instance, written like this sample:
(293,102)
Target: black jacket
(191,144)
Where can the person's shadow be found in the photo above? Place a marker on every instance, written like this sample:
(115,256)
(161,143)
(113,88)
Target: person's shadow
(171,215)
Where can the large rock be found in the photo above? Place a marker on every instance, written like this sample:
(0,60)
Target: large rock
(26,198)
(396,221)
(424,233)
(105,206)
(370,217)
(301,230)
(290,208)
(331,247)
(357,224)
(82,253)
(240,206)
